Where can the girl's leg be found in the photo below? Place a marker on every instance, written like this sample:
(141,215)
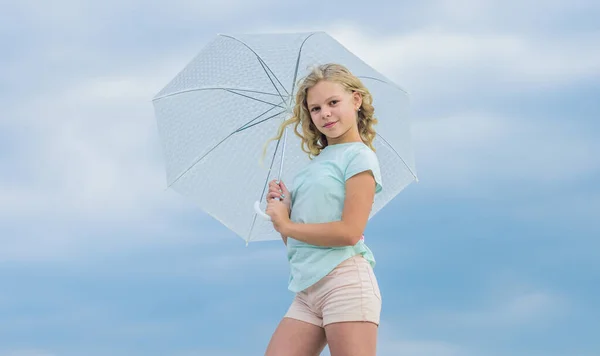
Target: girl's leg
(351,304)
(296,338)
(352,338)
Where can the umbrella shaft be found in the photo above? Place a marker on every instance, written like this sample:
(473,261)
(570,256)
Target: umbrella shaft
(282,154)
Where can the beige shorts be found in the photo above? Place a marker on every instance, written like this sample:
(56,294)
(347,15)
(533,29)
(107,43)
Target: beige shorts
(348,293)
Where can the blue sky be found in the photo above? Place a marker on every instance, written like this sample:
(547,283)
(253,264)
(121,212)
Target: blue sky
(494,252)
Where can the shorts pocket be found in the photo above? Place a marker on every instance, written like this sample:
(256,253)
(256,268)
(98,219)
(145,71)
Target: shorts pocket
(374,283)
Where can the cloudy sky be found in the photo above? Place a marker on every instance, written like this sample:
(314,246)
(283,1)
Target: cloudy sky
(494,252)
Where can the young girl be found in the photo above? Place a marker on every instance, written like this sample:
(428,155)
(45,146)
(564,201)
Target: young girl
(337,298)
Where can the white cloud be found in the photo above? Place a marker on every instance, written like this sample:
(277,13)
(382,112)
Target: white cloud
(487,14)
(431,61)
(505,303)
(398,338)
(474,147)
(522,309)
(48,239)
(91,162)
(224,266)
(526,308)
(506,308)
(96,15)
(91,146)
(438,59)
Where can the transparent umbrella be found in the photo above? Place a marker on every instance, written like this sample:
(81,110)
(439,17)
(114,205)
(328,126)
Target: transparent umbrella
(215,116)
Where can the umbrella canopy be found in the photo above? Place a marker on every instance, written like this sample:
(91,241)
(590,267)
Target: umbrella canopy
(215,116)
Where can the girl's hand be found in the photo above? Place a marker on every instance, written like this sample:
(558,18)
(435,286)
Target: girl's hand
(277,191)
(279,213)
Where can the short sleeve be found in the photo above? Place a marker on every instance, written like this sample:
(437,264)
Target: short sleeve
(364,160)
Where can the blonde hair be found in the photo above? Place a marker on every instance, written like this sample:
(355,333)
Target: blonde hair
(314,140)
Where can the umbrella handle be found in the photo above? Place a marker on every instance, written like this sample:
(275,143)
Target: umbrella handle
(260,212)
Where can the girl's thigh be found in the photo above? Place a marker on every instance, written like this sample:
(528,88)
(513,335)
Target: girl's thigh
(296,338)
(355,338)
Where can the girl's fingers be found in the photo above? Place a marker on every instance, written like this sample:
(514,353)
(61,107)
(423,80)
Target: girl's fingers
(277,184)
(273,195)
(284,189)
(275,190)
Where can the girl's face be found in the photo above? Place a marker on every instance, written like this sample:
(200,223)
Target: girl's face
(333,110)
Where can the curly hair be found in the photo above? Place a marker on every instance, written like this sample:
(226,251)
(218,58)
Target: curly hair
(313,141)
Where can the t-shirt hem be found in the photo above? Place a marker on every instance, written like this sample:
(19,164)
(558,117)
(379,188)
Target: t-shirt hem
(318,277)
(351,253)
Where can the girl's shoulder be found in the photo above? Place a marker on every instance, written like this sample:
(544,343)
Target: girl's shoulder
(359,150)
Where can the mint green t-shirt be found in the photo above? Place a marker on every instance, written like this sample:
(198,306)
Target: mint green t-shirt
(318,195)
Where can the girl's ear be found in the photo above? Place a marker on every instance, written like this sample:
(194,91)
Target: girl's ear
(357,100)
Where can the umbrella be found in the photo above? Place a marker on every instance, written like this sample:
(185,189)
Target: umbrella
(215,116)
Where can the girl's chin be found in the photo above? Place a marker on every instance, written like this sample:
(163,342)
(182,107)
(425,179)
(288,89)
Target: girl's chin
(332,137)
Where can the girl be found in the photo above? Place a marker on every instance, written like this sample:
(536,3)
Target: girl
(337,299)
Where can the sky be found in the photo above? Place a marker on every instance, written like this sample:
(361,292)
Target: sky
(493,252)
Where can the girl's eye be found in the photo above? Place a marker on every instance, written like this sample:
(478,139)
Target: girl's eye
(333,102)
(314,109)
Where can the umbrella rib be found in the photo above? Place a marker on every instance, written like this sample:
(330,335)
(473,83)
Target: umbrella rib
(263,64)
(254,124)
(249,124)
(220,142)
(381,137)
(384,82)
(399,156)
(262,101)
(298,62)
(230,90)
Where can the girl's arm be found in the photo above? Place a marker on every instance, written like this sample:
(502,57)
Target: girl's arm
(360,193)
